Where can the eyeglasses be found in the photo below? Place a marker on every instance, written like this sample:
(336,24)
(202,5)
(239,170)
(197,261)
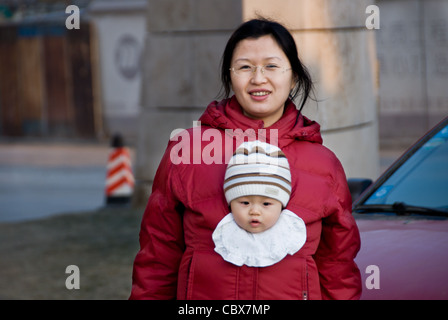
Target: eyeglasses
(269,70)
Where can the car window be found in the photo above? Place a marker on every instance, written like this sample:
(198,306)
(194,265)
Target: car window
(422,180)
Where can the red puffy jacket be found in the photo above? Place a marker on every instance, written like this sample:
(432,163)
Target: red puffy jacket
(177,257)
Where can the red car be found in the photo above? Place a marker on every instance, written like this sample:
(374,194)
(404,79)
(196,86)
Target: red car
(403,221)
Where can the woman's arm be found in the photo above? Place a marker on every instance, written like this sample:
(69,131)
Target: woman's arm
(161,238)
(340,242)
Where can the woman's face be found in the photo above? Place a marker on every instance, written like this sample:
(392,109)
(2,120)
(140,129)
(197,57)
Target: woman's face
(262,96)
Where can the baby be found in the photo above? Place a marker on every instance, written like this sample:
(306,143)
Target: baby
(258,232)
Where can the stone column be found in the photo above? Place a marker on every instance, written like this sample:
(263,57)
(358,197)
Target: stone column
(120,27)
(338,49)
(184,46)
(413,55)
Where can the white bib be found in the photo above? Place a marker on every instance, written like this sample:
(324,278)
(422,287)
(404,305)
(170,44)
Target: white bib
(262,249)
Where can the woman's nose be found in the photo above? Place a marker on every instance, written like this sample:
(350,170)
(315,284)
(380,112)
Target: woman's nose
(258,76)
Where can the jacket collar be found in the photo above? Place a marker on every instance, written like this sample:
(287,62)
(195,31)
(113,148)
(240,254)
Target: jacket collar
(228,114)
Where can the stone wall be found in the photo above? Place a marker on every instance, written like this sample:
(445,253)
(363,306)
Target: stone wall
(413,57)
(184,45)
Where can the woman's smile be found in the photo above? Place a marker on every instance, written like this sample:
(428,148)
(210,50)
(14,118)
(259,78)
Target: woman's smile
(259,95)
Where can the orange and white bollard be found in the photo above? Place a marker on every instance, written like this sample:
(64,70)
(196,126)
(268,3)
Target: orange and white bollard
(120,179)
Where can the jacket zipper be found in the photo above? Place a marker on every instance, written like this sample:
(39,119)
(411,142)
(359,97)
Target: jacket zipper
(188,290)
(305,292)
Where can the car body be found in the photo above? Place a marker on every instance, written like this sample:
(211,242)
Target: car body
(403,222)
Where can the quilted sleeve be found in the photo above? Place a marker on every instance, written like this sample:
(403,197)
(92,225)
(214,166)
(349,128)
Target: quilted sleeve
(161,238)
(339,244)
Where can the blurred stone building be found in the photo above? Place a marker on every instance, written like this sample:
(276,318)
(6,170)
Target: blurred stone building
(412,47)
(47,72)
(120,27)
(143,68)
(184,44)
(382,87)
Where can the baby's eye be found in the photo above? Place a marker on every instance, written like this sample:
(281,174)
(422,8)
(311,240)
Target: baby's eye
(245,203)
(266,204)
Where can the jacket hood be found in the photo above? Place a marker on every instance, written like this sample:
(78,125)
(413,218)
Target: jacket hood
(228,114)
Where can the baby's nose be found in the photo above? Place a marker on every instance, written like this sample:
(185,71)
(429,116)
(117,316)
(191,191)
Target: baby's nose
(254,210)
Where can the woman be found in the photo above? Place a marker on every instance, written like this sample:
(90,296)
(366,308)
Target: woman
(177,258)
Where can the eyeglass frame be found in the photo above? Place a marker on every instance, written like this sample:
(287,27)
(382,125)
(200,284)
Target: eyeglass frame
(254,70)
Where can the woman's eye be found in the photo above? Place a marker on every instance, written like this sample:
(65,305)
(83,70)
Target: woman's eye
(271,67)
(244,68)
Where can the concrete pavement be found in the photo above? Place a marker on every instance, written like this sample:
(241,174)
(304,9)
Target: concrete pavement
(42,179)
(39,179)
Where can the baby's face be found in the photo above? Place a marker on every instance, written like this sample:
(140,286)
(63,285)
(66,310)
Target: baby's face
(255,213)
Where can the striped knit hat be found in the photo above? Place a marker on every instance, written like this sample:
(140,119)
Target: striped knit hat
(258,168)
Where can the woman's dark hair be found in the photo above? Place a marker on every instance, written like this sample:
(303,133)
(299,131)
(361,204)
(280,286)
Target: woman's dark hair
(255,29)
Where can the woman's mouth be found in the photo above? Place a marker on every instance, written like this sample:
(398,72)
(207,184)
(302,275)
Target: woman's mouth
(259,95)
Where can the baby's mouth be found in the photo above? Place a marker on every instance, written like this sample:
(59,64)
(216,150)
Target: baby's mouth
(255,223)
